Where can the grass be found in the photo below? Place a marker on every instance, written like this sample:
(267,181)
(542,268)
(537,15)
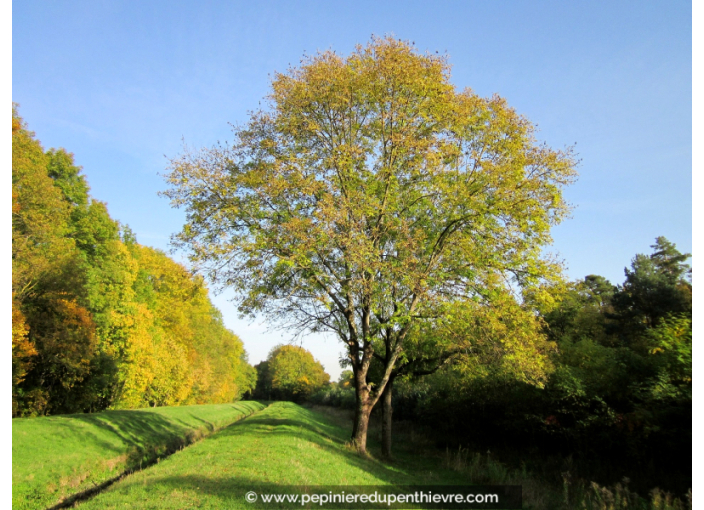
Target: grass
(285,444)
(538,494)
(58,456)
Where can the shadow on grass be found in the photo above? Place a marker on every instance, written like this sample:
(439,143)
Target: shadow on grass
(325,429)
(232,492)
(146,437)
(290,420)
(266,443)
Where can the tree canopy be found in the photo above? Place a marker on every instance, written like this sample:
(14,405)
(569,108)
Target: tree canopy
(98,320)
(289,373)
(371,195)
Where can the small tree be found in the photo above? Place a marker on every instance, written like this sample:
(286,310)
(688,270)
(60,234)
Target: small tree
(370,196)
(290,373)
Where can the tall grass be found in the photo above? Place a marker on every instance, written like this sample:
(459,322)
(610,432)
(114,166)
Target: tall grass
(573,494)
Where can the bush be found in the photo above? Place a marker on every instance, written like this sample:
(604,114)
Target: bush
(334,395)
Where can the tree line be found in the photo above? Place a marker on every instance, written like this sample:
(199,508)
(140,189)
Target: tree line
(98,320)
(616,398)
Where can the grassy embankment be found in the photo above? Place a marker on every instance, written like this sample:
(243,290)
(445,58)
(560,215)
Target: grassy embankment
(283,445)
(290,445)
(57,456)
(286,444)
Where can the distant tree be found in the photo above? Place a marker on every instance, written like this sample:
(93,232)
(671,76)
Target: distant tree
(346,379)
(262,390)
(656,286)
(290,373)
(178,348)
(584,311)
(370,196)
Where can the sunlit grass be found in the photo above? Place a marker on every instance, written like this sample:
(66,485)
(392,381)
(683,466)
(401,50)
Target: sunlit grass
(57,456)
(283,445)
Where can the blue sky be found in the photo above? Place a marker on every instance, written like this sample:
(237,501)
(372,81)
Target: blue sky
(124,84)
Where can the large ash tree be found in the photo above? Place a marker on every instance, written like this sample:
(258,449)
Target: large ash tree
(369,197)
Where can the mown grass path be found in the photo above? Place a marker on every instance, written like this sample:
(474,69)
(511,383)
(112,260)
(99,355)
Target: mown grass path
(285,444)
(58,456)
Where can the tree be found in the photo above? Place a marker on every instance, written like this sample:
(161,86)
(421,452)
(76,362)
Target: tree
(53,333)
(23,352)
(424,354)
(499,337)
(39,215)
(371,195)
(67,177)
(655,286)
(346,379)
(583,311)
(290,373)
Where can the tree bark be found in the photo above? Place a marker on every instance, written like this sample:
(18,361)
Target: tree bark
(361,426)
(366,398)
(386,421)
(356,414)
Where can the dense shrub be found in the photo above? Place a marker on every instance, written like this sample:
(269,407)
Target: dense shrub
(334,395)
(289,373)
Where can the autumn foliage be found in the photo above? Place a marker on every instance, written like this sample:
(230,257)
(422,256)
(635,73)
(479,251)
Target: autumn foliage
(289,373)
(370,198)
(98,320)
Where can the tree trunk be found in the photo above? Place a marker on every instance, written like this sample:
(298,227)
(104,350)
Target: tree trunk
(386,413)
(361,413)
(356,415)
(361,426)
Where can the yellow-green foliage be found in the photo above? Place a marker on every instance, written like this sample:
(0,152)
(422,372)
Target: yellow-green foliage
(368,197)
(98,320)
(290,373)
(179,351)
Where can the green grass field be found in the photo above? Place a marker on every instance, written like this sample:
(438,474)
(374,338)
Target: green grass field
(285,444)
(281,445)
(55,457)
